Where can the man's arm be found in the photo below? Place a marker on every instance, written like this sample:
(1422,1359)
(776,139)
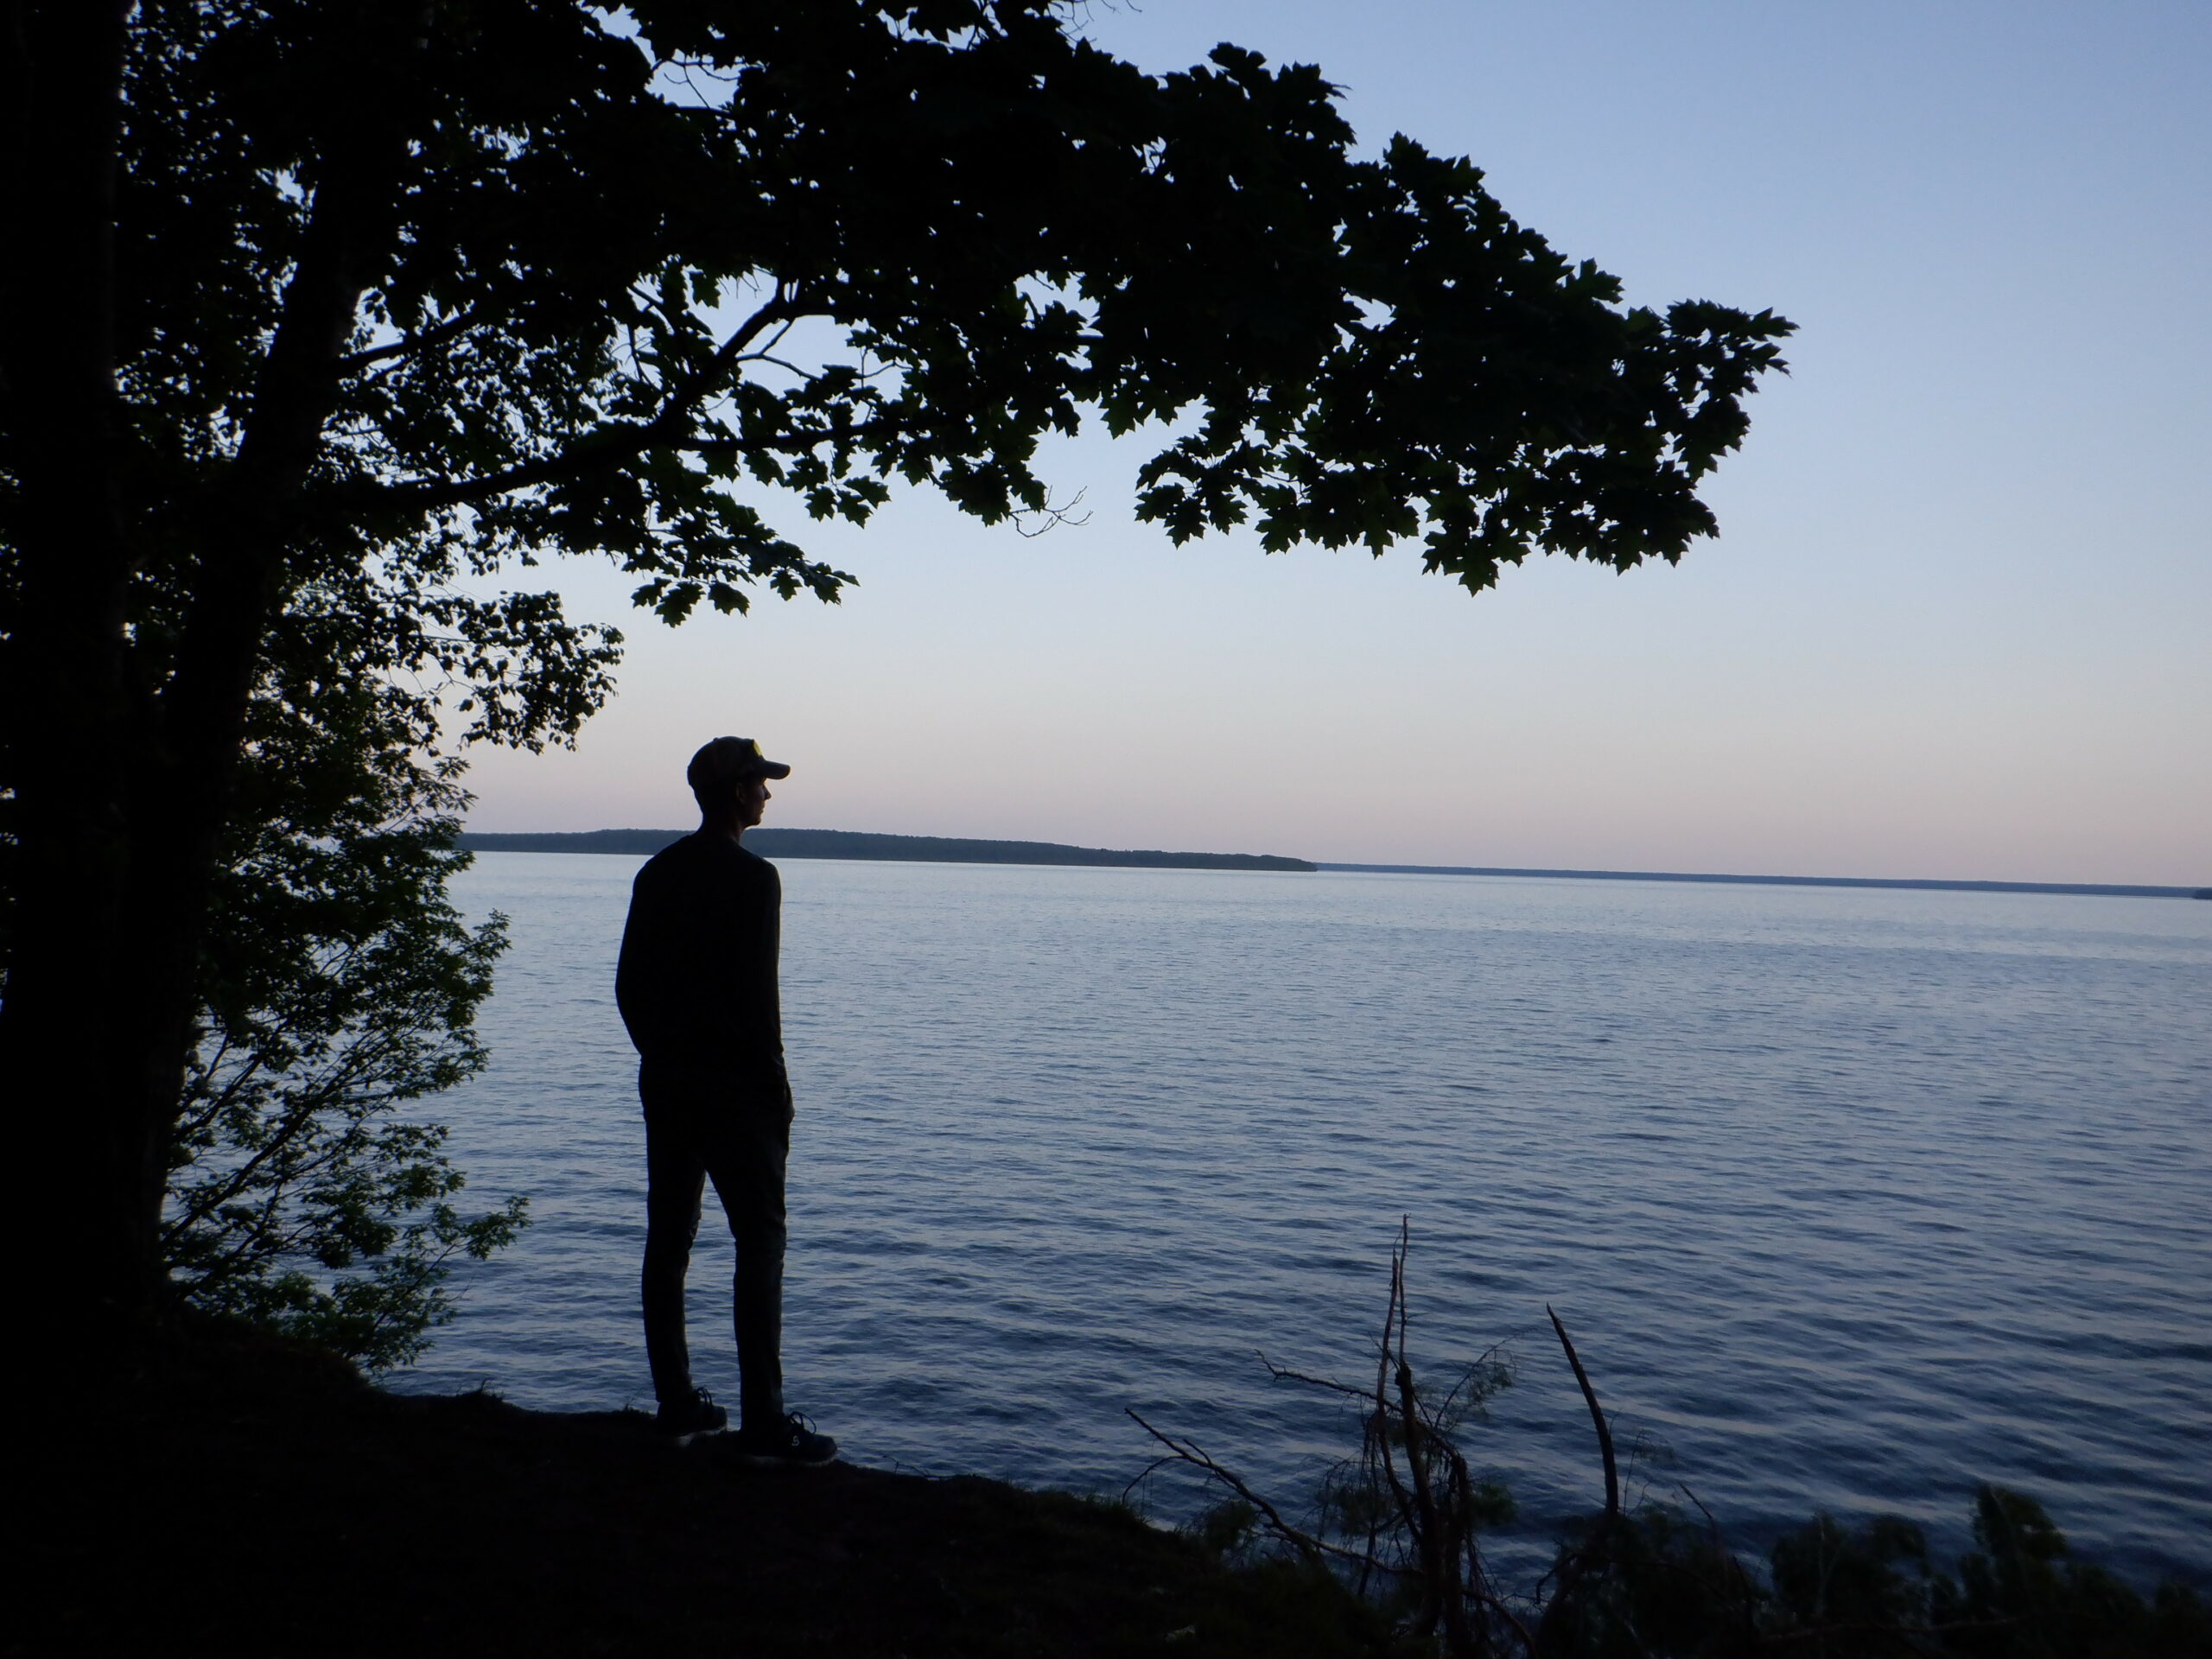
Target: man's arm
(753,1006)
(641,973)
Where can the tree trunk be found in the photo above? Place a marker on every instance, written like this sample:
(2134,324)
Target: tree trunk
(121,791)
(71,730)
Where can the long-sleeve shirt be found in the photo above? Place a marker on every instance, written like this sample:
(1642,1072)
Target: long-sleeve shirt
(696,983)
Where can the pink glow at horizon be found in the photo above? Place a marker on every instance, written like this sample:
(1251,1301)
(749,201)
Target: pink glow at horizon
(1955,625)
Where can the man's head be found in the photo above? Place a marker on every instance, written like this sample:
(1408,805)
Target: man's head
(729,779)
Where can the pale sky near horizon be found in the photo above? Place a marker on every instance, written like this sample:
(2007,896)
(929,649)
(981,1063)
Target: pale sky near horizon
(1956,623)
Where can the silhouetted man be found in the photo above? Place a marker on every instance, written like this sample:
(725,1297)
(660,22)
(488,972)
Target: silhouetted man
(697,989)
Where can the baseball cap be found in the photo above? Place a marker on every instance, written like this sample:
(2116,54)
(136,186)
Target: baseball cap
(721,763)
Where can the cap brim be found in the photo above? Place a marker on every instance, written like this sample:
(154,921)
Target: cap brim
(771,769)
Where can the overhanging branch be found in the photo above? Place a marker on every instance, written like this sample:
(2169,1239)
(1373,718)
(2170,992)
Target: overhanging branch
(605,446)
(408,345)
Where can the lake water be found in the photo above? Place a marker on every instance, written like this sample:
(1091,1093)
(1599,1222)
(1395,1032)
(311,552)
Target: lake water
(1850,1198)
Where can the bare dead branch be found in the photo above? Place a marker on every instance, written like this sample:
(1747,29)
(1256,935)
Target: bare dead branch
(1597,1416)
(1512,1619)
(1284,1374)
(1380,1423)
(1053,517)
(1190,1452)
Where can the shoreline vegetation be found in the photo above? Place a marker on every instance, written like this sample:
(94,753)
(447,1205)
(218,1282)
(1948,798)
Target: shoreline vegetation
(382,1522)
(1402,1524)
(953,849)
(249,1494)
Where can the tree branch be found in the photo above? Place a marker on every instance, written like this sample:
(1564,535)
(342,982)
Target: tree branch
(1283,1374)
(604,446)
(407,345)
(1190,1452)
(1597,1416)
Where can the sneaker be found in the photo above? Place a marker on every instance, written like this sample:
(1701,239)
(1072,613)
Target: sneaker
(690,1415)
(792,1441)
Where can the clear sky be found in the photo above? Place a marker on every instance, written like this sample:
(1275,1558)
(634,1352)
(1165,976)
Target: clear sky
(1959,620)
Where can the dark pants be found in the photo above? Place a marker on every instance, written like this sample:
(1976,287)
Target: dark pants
(699,1126)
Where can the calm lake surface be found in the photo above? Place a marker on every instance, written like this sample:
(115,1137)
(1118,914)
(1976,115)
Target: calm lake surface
(1850,1198)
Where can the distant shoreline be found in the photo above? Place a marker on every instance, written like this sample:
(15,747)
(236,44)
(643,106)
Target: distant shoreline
(945,849)
(2104,890)
(857,844)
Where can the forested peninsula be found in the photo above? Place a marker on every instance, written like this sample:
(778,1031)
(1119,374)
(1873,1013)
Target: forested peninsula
(853,843)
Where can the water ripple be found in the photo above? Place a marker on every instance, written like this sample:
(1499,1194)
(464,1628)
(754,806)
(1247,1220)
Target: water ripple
(1852,1198)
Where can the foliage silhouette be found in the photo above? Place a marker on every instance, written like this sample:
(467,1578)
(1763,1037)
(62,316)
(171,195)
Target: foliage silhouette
(339,985)
(1400,1523)
(353,310)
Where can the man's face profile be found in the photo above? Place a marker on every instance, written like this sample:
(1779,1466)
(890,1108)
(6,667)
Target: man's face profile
(752,797)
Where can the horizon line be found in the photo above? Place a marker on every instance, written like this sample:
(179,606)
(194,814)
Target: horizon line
(1923,884)
(2095,889)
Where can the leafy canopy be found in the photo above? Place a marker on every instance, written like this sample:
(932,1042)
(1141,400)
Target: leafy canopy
(410,294)
(615,270)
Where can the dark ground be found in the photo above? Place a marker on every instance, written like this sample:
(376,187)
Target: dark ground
(247,1498)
